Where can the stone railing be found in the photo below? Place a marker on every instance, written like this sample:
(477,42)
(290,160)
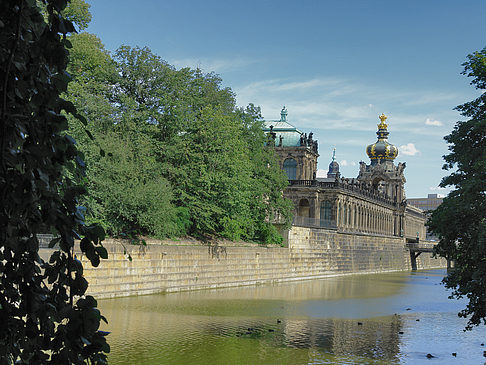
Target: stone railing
(44,239)
(421,247)
(358,190)
(314,222)
(327,224)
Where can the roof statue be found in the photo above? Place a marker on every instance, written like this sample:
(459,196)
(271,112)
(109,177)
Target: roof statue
(287,135)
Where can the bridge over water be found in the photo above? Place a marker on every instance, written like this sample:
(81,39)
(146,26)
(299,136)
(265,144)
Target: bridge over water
(417,248)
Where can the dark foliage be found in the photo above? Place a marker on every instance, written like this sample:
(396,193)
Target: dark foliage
(45,317)
(460,221)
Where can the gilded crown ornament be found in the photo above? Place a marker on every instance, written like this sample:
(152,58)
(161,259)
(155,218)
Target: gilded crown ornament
(383,125)
(381,149)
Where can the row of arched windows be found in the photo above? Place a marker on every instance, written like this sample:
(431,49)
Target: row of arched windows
(349,216)
(365,219)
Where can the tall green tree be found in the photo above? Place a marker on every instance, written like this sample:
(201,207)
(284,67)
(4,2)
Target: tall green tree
(211,153)
(460,221)
(182,158)
(268,205)
(46,317)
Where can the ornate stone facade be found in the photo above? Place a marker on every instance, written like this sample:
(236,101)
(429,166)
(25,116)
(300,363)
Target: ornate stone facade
(373,203)
(297,151)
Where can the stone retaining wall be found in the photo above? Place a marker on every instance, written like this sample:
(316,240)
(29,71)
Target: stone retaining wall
(324,250)
(312,253)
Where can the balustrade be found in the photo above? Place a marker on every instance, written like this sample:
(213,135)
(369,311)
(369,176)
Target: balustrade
(344,186)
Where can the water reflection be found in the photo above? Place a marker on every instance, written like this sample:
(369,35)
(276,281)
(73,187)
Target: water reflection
(343,320)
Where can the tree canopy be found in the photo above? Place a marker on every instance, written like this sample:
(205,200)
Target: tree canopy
(183,159)
(460,221)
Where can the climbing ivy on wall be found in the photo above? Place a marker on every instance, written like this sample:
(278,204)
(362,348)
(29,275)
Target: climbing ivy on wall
(44,316)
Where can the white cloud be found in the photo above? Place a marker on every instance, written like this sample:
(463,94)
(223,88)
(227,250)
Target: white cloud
(321,173)
(214,65)
(409,149)
(433,97)
(334,103)
(347,163)
(440,190)
(436,123)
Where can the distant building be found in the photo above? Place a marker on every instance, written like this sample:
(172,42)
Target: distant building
(430,203)
(427,205)
(372,203)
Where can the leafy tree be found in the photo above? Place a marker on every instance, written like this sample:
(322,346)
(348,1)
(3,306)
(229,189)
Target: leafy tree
(216,190)
(268,206)
(127,193)
(46,319)
(132,197)
(77,11)
(460,221)
(182,158)
(211,152)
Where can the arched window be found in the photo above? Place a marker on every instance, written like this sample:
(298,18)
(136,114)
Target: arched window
(304,208)
(290,168)
(325,213)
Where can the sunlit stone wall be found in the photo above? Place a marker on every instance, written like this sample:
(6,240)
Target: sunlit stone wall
(177,266)
(321,250)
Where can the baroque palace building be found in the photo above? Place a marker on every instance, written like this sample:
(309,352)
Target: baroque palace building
(372,203)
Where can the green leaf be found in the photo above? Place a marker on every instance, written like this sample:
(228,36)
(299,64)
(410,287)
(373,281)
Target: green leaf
(54,241)
(78,266)
(102,252)
(86,245)
(93,258)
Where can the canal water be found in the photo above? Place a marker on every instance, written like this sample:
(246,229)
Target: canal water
(395,318)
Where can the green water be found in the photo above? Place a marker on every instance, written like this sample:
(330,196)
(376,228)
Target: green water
(395,318)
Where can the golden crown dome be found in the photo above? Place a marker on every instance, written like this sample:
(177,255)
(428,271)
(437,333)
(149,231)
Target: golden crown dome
(381,149)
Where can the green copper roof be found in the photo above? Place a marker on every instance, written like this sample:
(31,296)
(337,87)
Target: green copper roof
(283,129)
(290,134)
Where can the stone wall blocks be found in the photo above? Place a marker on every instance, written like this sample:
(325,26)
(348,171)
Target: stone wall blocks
(311,253)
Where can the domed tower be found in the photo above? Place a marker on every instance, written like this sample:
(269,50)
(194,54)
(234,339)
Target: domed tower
(333,167)
(382,175)
(381,151)
(297,150)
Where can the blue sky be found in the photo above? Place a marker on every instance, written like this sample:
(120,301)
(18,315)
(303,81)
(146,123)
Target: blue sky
(335,65)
